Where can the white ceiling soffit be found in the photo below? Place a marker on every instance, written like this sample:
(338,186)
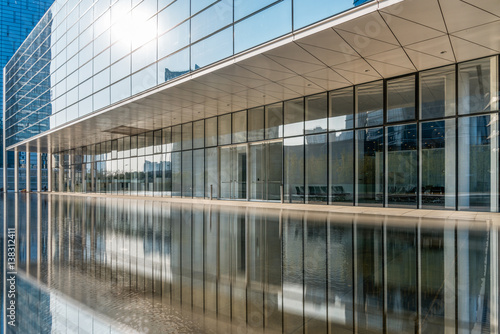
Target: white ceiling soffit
(376,40)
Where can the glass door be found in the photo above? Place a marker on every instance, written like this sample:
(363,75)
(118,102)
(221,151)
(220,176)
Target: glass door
(266,165)
(233,172)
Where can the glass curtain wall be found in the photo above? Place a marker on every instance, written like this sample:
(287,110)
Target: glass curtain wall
(425,140)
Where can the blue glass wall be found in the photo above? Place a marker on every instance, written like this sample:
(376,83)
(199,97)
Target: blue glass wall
(17,20)
(92,55)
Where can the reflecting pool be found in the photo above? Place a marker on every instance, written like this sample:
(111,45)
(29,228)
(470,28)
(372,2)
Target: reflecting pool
(111,265)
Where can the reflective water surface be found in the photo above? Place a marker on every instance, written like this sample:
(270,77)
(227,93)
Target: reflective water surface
(110,265)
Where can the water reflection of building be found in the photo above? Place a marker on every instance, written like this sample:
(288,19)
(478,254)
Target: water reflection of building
(281,270)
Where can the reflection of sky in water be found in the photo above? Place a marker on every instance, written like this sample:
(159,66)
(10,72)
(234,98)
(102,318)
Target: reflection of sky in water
(158,266)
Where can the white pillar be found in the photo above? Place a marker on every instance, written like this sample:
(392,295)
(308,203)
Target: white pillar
(49,171)
(61,173)
(28,169)
(38,171)
(16,171)
(92,174)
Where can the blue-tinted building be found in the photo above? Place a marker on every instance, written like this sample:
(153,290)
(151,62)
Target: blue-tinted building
(17,19)
(390,103)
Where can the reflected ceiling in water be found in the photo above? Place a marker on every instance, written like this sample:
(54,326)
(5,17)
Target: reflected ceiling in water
(157,266)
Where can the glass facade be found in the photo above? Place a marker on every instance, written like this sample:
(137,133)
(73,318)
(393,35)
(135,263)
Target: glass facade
(84,55)
(392,156)
(18,18)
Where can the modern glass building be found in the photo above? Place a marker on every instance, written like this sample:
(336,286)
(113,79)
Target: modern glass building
(389,103)
(17,20)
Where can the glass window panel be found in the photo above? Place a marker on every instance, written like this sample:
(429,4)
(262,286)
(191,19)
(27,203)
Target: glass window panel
(253,30)
(133,146)
(316,159)
(211,132)
(144,79)
(173,40)
(294,170)
(437,92)
(304,14)
(212,49)
(211,173)
(198,134)
(149,144)
(370,166)
(316,113)
(101,80)
(187,136)
(266,168)
(173,66)
(167,174)
(437,158)
(477,86)
(141,176)
(341,115)
(101,99)
(478,163)
(294,117)
(224,129)
(121,90)
(211,19)
(256,124)
(141,144)
(401,99)
(199,173)
(158,175)
(402,165)
(166,140)
(239,127)
(274,121)
(370,104)
(341,167)
(120,69)
(126,147)
(187,174)
(120,148)
(176,174)
(176,138)
(196,6)
(157,141)
(174,14)
(149,173)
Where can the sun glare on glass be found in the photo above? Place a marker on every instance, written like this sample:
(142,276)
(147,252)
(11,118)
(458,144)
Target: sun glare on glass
(135,29)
